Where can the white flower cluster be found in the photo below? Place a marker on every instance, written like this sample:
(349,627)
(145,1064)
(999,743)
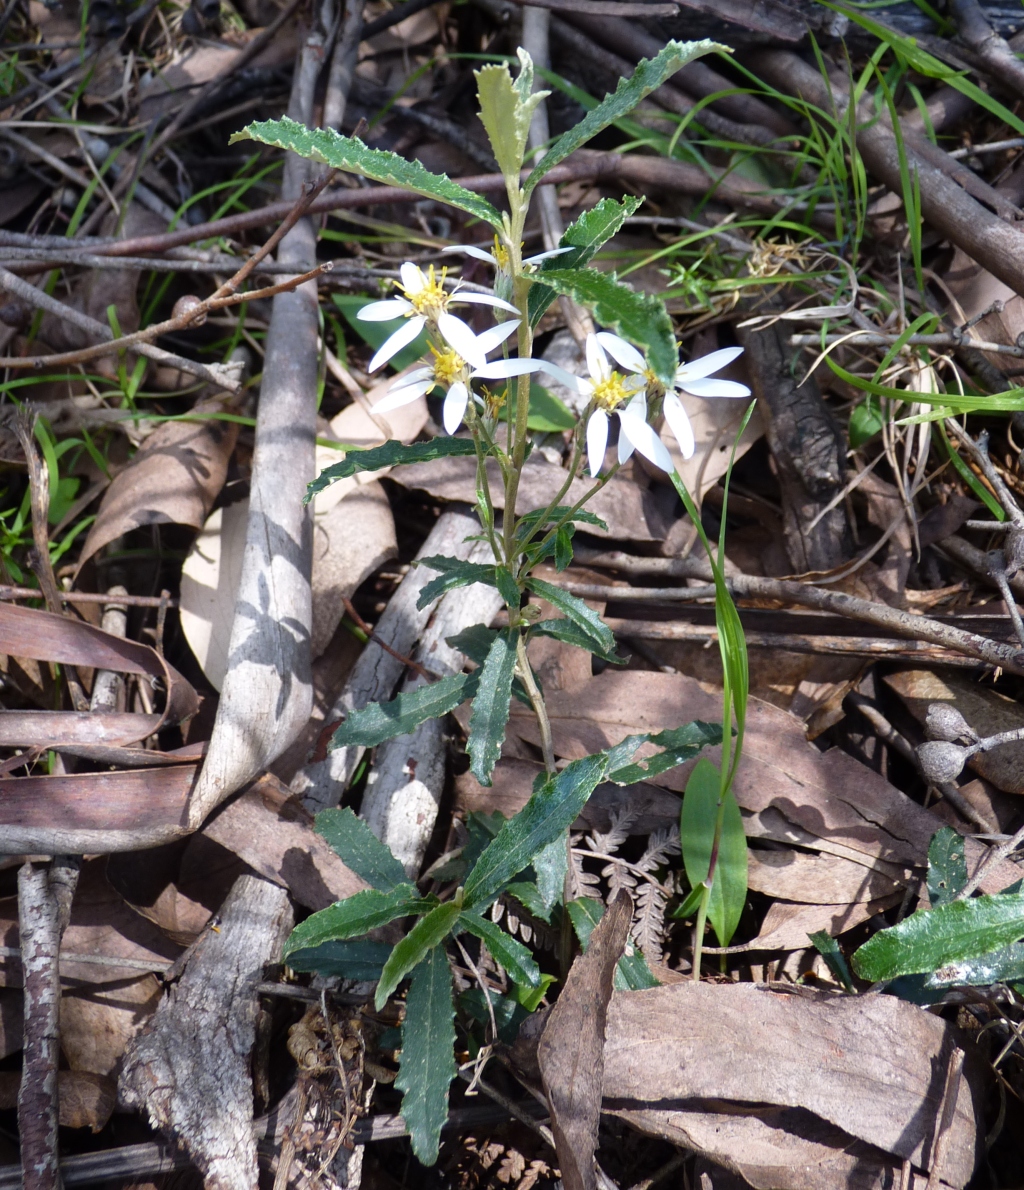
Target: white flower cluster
(462,358)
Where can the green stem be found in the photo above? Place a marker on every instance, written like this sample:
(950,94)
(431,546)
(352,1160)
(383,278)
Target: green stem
(537,702)
(574,466)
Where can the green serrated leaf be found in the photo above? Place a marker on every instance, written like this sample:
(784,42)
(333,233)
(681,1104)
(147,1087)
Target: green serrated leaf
(380,721)
(1000,966)
(506,110)
(429,932)
(550,811)
(563,547)
(648,76)
(585,237)
(696,835)
(490,712)
(350,154)
(576,610)
(573,634)
(360,849)
(632,973)
(512,954)
(454,574)
(679,745)
(475,642)
(530,521)
(427,1061)
(361,959)
(389,454)
(356,915)
(932,939)
(551,866)
(947,866)
(638,317)
(528,895)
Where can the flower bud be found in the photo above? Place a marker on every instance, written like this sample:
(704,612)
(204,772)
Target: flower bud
(941,761)
(944,722)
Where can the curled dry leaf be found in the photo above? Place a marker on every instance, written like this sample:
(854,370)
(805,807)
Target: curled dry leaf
(86,1100)
(348,545)
(174,478)
(98,1020)
(571,1049)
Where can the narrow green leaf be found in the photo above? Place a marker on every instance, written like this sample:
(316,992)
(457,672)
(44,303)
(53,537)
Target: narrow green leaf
(648,76)
(563,547)
(360,849)
(572,634)
(577,611)
(380,721)
(548,413)
(530,521)
(590,231)
(691,903)
(551,865)
(475,642)
(356,915)
(697,833)
(512,954)
(361,959)
(551,810)
(429,932)
(506,112)
(639,317)
(528,895)
(427,1061)
(389,454)
(489,717)
(932,939)
(834,958)
(454,573)
(947,866)
(632,973)
(678,745)
(350,154)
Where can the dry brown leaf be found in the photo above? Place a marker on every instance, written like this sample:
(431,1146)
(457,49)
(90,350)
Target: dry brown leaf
(571,1049)
(86,1100)
(174,478)
(271,831)
(98,1020)
(815,879)
(986,710)
(786,925)
(873,1067)
(632,512)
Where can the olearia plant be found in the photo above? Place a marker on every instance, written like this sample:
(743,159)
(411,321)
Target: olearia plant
(486,380)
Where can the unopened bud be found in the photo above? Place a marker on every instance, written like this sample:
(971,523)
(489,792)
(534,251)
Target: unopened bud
(941,762)
(184,306)
(944,722)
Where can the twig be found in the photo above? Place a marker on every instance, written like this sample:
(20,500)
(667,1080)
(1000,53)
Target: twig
(992,857)
(610,8)
(15,593)
(44,907)
(943,1125)
(996,55)
(858,338)
(408,662)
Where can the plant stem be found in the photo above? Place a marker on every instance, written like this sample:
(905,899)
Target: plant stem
(537,702)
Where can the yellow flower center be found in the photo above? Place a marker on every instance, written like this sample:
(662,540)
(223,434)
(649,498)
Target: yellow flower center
(432,299)
(612,391)
(448,367)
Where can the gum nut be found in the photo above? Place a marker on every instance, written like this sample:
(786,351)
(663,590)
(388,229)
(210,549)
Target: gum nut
(944,722)
(941,762)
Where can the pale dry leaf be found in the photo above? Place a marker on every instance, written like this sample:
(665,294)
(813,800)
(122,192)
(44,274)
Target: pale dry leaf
(98,1020)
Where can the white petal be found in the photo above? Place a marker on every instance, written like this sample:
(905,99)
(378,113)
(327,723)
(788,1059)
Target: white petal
(597,440)
(455,406)
(397,397)
(707,365)
(501,369)
(679,424)
(622,352)
(714,388)
(625,446)
(545,255)
(496,335)
(413,378)
(384,311)
(413,278)
(646,441)
(575,383)
(401,338)
(470,250)
(484,299)
(597,361)
(459,336)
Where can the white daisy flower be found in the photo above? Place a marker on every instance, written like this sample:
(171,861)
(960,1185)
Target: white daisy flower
(499,257)
(451,371)
(427,301)
(692,378)
(607,390)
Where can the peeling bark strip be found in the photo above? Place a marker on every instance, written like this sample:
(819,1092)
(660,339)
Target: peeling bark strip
(40,930)
(189,1068)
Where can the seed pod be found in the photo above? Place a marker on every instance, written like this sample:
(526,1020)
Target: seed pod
(944,722)
(941,761)
(185,305)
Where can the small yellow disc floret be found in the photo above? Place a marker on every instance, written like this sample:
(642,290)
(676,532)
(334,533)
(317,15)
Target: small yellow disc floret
(431,300)
(448,367)
(612,391)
